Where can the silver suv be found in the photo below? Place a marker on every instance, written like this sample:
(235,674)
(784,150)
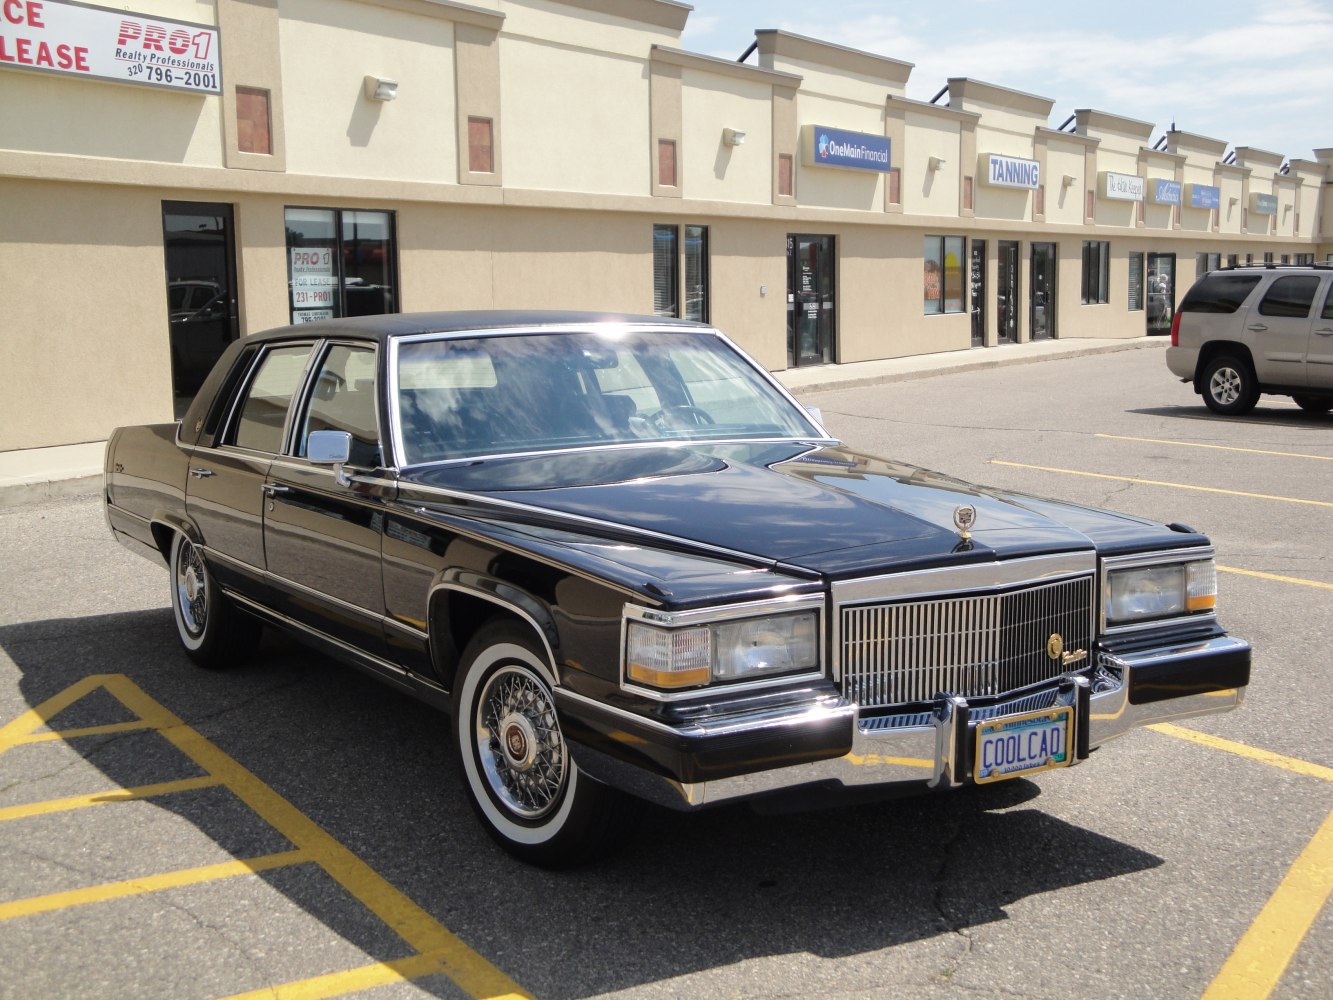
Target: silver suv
(1242,331)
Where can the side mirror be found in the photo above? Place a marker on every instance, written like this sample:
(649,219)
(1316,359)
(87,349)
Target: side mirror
(815,412)
(330,448)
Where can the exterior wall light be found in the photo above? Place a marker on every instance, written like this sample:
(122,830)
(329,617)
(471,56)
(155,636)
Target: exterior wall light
(732,136)
(1070,180)
(379,89)
(935,162)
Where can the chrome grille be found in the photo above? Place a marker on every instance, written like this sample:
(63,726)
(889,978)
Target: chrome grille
(974,645)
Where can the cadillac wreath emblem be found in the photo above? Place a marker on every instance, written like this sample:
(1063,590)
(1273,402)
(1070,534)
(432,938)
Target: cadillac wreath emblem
(964,516)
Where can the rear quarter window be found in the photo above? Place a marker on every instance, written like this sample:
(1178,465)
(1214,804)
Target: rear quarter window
(1219,293)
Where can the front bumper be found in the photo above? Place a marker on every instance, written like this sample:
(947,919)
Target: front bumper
(734,757)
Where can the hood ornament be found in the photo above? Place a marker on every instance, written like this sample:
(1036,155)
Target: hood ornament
(964,517)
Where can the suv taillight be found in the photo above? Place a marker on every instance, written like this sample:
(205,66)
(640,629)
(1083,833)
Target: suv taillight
(1175,329)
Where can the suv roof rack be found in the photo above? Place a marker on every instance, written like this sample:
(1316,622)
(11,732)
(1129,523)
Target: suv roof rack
(1270,266)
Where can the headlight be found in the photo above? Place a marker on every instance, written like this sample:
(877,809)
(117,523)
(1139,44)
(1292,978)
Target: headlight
(727,651)
(1167,590)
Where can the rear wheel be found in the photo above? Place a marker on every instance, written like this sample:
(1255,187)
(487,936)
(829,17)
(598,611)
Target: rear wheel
(1314,404)
(1229,386)
(214,633)
(524,785)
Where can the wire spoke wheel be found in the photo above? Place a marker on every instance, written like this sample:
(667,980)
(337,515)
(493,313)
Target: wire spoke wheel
(191,588)
(519,744)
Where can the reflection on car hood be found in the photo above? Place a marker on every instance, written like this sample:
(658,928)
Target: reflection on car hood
(827,510)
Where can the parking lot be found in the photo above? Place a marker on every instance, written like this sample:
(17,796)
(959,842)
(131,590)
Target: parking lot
(291,828)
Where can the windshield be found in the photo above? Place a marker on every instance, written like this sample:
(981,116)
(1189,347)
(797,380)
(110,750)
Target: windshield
(466,397)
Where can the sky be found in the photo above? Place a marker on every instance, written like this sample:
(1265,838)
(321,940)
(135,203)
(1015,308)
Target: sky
(1249,74)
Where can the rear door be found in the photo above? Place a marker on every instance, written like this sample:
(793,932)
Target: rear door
(1319,360)
(1281,325)
(224,489)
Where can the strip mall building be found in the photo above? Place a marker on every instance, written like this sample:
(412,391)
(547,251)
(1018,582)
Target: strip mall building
(188,171)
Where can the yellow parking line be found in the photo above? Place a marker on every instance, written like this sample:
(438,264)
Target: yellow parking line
(69,734)
(1257,963)
(101,798)
(437,950)
(1275,577)
(1218,447)
(148,883)
(351,981)
(1156,482)
(1241,750)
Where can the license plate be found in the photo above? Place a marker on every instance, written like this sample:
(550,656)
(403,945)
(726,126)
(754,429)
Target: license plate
(1016,745)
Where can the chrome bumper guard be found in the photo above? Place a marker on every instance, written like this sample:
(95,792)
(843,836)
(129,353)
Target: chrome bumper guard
(930,750)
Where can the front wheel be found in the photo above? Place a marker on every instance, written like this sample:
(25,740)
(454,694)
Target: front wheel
(1314,404)
(524,785)
(214,633)
(1229,386)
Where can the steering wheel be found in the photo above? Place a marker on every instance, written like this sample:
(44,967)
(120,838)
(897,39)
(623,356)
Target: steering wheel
(671,417)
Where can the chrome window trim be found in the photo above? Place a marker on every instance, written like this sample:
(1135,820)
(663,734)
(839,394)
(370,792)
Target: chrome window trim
(1162,557)
(820,435)
(621,446)
(790,604)
(313,365)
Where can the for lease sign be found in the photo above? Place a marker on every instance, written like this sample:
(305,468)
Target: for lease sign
(74,39)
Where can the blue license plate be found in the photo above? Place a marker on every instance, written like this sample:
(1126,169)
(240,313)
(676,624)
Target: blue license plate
(1017,745)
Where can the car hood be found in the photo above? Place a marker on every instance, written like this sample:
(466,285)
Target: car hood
(826,510)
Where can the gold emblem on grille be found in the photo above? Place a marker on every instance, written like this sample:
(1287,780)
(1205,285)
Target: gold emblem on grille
(1055,646)
(964,517)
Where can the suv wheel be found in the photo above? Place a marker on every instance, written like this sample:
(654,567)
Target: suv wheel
(1229,386)
(1314,404)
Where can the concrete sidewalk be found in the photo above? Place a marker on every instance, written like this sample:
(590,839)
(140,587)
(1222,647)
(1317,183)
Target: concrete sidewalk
(76,470)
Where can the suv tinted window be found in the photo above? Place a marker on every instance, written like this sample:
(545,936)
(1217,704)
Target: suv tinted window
(1290,296)
(1219,293)
(1328,305)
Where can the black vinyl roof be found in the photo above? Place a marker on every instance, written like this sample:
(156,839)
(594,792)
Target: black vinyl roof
(389,325)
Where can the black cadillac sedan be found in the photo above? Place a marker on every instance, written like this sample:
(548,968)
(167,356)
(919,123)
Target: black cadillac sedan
(631,566)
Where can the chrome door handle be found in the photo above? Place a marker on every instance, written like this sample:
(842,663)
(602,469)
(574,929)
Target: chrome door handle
(201,473)
(1324,333)
(273,489)
(1257,327)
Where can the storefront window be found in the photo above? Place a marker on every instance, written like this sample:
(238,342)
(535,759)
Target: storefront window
(696,273)
(943,277)
(1135,282)
(340,263)
(1096,271)
(666,271)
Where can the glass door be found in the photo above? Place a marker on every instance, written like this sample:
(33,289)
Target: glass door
(1041,316)
(977,280)
(1161,292)
(1006,294)
(197,240)
(811,314)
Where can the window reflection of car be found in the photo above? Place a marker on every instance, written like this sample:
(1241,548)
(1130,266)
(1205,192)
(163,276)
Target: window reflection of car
(199,317)
(195,301)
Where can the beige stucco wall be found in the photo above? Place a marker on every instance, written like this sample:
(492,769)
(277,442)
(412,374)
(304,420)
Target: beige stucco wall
(329,47)
(83,302)
(926,191)
(711,170)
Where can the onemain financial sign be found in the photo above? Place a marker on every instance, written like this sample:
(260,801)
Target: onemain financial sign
(1010,172)
(832,147)
(74,39)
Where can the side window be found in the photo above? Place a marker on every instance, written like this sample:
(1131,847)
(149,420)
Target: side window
(263,410)
(1219,293)
(1328,305)
(343,399)
(1290,296)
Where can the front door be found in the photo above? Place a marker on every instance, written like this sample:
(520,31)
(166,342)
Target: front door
(977,278)
(1161,292)
(1041,315)
(811,316)
(199,246)
(1319,362)
(1006,294)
